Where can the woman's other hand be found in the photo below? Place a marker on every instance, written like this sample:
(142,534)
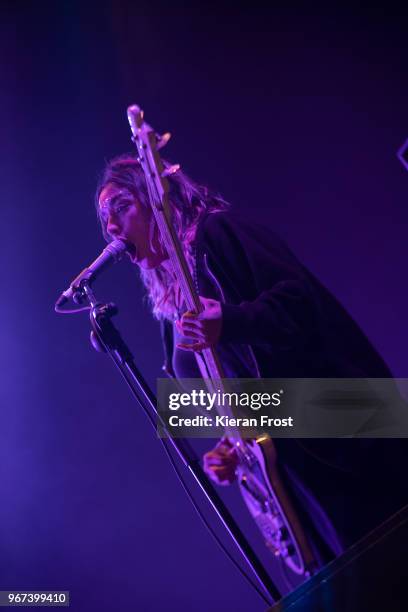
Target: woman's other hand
(221,463)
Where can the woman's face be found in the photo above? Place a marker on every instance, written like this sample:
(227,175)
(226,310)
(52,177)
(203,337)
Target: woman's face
(127,219)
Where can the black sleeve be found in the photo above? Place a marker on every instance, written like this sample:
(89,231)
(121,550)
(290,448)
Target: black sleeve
(277,315)
(273,297)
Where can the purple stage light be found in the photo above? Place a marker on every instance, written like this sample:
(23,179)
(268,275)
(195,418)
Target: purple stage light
(403,154)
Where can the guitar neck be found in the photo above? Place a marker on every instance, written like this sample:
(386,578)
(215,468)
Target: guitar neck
(148,143)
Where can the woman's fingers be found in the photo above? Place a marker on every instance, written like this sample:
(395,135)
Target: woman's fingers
(193,326)
(220,464)
(221,472)
(183,326)
(205,326)
(221,476)
(193,333)
(215,460)
(194,346)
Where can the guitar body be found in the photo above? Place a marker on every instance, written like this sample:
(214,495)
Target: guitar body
(271,508)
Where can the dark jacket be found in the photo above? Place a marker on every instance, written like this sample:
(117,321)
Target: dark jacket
(279,321)
(272,304)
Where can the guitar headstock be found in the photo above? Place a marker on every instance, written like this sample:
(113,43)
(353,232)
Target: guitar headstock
(148,144)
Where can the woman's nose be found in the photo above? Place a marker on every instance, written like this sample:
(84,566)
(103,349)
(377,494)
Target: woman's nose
(112,227)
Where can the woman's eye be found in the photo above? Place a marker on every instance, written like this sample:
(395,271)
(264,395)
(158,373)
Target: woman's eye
(122,207)
(105,212)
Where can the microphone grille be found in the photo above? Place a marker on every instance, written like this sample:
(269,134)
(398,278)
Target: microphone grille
(117,248)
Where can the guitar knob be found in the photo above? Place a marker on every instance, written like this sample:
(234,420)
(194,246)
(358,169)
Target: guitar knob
(283,533)
(290,551)
(163,140)
(170,170)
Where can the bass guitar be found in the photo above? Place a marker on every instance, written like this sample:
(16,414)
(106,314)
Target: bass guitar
(257,472)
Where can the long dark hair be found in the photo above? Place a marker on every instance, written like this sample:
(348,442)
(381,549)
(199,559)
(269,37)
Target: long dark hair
(189,203)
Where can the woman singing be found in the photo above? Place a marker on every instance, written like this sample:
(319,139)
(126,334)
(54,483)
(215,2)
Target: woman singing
(270,318)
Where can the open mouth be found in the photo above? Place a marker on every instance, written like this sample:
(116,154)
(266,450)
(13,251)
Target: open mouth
(130,250)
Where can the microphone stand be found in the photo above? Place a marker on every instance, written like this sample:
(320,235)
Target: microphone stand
(106,338)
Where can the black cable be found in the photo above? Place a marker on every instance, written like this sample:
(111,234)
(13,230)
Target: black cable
(59,310)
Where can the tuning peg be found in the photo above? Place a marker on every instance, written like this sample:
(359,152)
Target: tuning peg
(163,140)
(170,170)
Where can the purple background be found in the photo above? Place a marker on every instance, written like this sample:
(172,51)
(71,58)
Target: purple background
(296,116)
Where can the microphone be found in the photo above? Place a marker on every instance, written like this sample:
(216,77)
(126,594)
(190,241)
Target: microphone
(110,254)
